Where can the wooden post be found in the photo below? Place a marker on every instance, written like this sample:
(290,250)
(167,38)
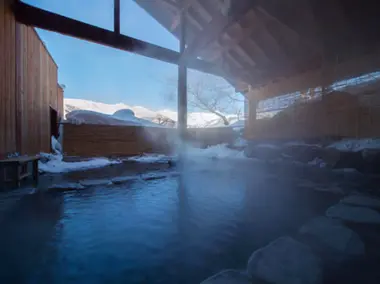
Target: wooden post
(249,129)
(35,172)
(182,81)
(116,16)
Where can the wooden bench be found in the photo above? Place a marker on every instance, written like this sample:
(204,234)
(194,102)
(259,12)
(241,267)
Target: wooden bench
(16,169)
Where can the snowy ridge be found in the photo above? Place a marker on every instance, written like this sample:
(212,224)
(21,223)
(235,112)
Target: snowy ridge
(195,119)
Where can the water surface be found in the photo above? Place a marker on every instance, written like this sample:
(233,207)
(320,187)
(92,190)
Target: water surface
(175,230)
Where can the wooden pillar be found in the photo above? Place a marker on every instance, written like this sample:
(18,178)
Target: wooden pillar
(116,16)
(182,81)
(253,102)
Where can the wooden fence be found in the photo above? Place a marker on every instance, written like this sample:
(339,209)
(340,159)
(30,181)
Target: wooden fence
(89,140)
(339,115)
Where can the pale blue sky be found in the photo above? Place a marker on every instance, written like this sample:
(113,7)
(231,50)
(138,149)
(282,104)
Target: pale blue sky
(94,72)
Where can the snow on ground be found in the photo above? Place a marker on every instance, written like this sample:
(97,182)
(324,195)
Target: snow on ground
(149,158)
(356,145)
(56,165)
(56,146)
(240,142)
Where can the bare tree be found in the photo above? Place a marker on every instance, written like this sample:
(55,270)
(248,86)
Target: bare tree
(211,94)
(163,120)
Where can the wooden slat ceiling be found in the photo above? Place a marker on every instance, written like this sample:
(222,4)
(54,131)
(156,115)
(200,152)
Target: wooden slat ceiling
(258,42)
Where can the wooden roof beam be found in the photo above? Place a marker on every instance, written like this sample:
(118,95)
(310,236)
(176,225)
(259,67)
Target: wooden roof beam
(33,16)
(185,4)
(177,8)
(296,44)
(214,29)
(170,4)
(240,33)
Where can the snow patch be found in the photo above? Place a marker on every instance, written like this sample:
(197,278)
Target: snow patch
(335,235)
(285,261)
(56,146)
(353,214)
(149,158)
(355,145)
(66,186)
(56,165)
(124,114)
(240,142)
(362,200)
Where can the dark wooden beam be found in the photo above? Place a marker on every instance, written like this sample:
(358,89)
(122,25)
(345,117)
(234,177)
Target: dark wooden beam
(116,16)
(33,16)
(240,34)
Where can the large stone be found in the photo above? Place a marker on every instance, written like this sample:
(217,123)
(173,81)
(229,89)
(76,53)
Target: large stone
(154,176)
(302,152)
(371,161)
(352,160)
(266,152)
(335,235)
(353,214)
(362,200)
(333,188)
(229,277)
(285,261)
(330,156)
(121,180)
(95,182)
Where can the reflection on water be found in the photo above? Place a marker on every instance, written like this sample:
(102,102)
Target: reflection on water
(177,230)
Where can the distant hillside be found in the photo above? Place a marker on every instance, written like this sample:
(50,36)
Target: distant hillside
(164,117)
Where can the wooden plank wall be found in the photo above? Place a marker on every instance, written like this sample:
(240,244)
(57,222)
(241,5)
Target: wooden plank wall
(91,140)
(7,80)
(39,91)
(341,116)
(28,87)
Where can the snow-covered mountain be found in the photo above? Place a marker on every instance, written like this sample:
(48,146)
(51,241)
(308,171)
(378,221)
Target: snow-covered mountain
(195,119)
